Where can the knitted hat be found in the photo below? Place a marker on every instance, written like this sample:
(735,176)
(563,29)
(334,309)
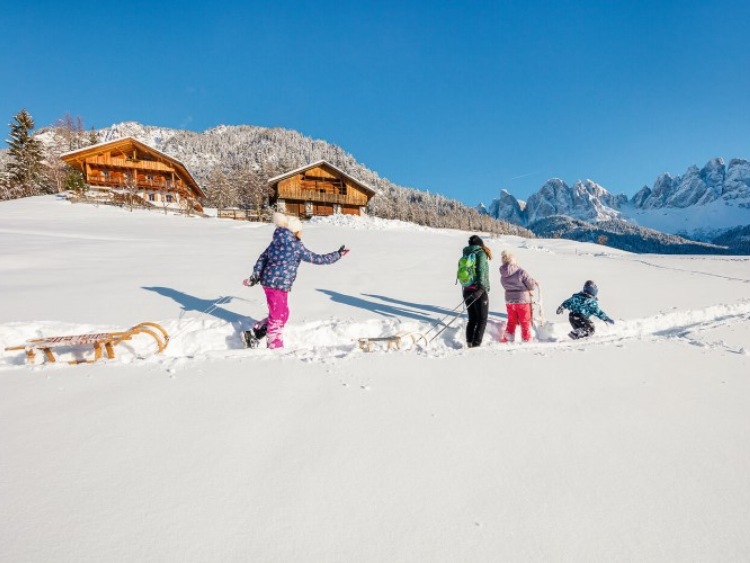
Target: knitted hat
(294,224)
(287,222)
(280,220)
(589,288)
(475,240)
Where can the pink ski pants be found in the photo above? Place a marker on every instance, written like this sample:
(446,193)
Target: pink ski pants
(278,314)
(518,314)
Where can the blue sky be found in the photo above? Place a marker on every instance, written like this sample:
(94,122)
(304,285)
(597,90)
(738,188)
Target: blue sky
(459,98)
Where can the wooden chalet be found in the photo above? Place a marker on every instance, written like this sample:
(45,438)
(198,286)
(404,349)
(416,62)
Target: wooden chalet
(319,189)
(127,169)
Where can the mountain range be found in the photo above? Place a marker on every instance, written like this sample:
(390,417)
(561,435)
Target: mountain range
(709,204)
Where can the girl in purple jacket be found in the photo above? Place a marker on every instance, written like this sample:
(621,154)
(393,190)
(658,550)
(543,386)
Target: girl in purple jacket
(276,270)
(518,285)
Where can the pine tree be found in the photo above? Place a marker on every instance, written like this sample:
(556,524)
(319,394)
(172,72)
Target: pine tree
(74,181)
(26,158)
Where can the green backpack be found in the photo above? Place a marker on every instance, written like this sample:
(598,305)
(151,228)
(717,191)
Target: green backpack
(467,269)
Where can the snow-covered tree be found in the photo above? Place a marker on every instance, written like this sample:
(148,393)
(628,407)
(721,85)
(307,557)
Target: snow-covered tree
(221,191)
(253,190)
(25,165)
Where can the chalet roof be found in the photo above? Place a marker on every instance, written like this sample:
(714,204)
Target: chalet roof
(128,141)
(362,185)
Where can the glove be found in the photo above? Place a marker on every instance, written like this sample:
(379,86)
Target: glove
(559,310)
(343,251)
(609,321)
(251,281)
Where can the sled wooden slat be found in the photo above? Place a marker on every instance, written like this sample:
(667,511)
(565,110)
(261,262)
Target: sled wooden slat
(392,341)
(102,343)
(366,344)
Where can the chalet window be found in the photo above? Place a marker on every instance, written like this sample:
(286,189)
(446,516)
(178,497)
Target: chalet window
(169,198)
(106,174)
(342,190)
(151,197)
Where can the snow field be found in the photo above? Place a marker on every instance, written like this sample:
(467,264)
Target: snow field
(631,446)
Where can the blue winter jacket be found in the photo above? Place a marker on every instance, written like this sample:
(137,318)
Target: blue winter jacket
(585,305)
(277,266)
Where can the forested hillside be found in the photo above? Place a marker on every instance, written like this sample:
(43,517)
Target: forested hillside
(234,163)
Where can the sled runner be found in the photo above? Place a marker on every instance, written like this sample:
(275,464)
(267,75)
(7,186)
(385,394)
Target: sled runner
(103,342)
(422,339)
(366,344)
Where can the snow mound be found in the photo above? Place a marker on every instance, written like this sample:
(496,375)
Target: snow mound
(208,338)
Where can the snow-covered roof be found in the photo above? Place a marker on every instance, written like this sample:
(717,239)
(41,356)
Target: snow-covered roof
(142,145)
(321,163)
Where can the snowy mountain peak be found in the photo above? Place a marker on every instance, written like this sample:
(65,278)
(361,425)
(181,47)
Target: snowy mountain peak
(724,188)
(698,186)
(585,200)
(154,136)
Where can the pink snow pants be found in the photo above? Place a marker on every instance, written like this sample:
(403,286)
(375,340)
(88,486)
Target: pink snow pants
(278,314)
(518,314)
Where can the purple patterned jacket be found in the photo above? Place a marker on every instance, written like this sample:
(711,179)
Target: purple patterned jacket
(277,266)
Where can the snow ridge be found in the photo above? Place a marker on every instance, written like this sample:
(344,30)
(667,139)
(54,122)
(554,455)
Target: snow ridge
(199,338)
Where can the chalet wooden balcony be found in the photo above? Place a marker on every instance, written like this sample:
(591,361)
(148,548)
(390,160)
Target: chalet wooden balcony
(108,162)
(317,197)
(141,184)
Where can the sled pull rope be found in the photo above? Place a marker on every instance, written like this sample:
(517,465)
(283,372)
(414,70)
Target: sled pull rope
(442,319)
(455,312)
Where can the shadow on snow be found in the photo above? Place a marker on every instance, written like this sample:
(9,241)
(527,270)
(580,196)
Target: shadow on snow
(212,307)
(391,307)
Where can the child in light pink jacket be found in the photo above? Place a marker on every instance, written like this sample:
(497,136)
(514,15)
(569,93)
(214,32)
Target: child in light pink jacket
(518,285)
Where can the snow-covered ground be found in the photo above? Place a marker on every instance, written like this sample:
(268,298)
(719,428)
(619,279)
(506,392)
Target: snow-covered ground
(629,447)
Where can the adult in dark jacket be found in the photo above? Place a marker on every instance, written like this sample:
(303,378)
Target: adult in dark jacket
(276,270)
(518,285)
(476,295)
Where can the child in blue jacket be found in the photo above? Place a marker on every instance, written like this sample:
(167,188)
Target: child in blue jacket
(276,270)
(582,306)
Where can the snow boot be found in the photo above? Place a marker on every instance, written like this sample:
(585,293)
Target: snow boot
(251,338)
(248,339)
(260,332)
(577,333)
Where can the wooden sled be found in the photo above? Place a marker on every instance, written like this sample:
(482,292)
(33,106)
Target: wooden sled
(393,341)
(103,342)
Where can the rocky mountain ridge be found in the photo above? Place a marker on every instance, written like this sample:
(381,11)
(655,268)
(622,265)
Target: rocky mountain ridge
(714,186)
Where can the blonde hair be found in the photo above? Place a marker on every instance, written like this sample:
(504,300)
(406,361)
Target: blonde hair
(507,257)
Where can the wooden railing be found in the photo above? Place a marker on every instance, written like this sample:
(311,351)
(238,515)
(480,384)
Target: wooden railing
(155,184)
(310,195)
(241,214)
(124,163)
